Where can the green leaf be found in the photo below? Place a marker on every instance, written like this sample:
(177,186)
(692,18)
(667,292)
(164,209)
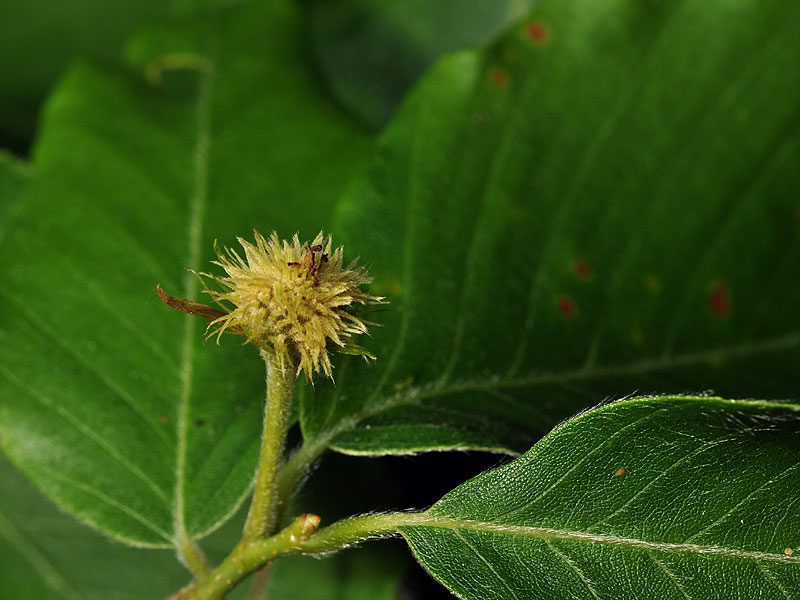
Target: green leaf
(13,178)
(48,555)
(602,204)
(110,402)
(372,51)
(358,575)
(649,498)
(38,38)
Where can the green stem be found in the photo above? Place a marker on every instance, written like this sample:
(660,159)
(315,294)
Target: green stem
(265,507)
(194,558)
(297,538)
(296,466)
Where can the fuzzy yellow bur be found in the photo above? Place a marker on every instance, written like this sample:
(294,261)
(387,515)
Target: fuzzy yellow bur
(292,299)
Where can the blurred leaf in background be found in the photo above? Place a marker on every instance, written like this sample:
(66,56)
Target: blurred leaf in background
(134,180)
(39,38)
(13,178)
(372,51)
(48,555)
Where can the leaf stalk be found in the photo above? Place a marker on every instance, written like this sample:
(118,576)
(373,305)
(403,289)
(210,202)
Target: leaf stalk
(300,537)
(262,519)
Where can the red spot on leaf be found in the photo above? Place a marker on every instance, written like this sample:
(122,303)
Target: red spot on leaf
(621,473)
(582,269)
(719,301)
(480,117)
(566,306)
(537,32)
(163,419)
(500,78)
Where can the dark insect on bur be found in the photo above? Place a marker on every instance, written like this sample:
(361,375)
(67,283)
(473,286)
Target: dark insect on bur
(314,266)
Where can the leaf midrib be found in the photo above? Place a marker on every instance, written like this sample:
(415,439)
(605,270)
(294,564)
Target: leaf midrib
(197,210)
(425,520)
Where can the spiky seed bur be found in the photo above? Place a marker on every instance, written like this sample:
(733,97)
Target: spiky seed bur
(292,299)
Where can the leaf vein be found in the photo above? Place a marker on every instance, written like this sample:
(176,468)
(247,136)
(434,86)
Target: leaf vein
(773,581)
(37,560)
(510,130)
(123,508)
(707,445)
(574,567)
(584,458)
(75,355)
(197,210)
(444,522)
(88,432)
(770,481)
(669,575)
(486,562)
(417,394)
(600,136)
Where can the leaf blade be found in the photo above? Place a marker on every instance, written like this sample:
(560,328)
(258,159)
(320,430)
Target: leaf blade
(129,185)
(542,207)
(562,517)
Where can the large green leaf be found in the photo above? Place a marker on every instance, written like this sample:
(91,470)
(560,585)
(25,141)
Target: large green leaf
(46,554)
(109,401)
(372,51)
(649,498)
(13,178)
(355,575)
(38,39)
(604,202)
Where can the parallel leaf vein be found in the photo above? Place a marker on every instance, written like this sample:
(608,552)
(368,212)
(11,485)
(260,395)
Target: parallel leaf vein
(37,560)
(571,564)
(669,575)
(487,563)
(88,432)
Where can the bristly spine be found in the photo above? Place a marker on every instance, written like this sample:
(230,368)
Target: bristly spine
(293,299)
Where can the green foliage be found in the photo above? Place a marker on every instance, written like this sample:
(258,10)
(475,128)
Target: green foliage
(372,51)
(602,202)
(43,554)
(38,39)
(577,229)
(109,402)
(13,178)
(653,498)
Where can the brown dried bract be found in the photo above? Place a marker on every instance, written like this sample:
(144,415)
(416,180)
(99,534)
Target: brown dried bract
(190,307)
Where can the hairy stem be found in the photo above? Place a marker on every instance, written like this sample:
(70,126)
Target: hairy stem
(193,558)
(297,538)
(265,507)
